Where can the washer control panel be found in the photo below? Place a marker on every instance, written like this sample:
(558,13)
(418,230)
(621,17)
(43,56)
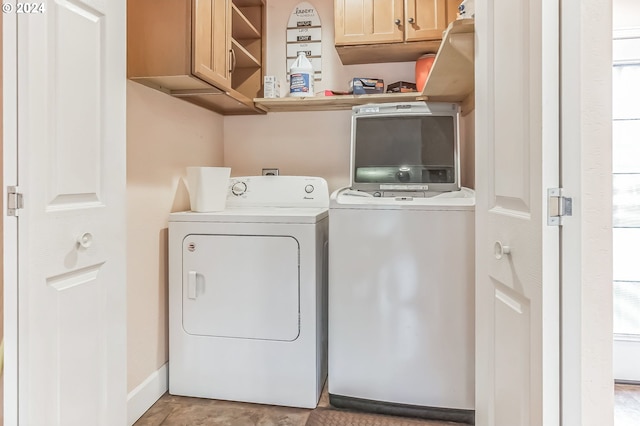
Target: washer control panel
(278,191)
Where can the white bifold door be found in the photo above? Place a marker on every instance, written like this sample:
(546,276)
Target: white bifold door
(517,254)
(71,103)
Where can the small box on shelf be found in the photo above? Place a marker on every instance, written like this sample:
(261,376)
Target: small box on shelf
(366,86)
(401,87)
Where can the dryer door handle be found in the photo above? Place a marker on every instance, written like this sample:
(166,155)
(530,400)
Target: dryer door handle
(192,285)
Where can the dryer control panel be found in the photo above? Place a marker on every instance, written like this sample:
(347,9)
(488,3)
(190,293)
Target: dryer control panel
(278,191)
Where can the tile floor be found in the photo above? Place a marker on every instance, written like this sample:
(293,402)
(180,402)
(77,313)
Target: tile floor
(172,410)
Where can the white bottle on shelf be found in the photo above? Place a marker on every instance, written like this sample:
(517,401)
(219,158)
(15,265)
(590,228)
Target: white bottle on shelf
(301,76)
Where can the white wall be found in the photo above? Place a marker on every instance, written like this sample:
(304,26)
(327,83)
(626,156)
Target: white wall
(164,135)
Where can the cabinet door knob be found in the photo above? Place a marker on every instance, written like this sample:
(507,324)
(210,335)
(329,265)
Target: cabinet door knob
(411,20)
(398,22)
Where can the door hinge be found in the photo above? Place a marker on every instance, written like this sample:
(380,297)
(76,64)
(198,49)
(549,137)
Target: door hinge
(14,201)
(558,206)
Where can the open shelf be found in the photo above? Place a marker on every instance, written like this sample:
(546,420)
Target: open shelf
(241,27)
(248,3)
(244,59)
(331,103)
(451,80)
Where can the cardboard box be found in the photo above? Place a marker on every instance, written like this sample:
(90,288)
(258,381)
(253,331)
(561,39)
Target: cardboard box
(401,87)
(364,86)
(271,86)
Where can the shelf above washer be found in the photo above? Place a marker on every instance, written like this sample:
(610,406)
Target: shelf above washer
(451,80)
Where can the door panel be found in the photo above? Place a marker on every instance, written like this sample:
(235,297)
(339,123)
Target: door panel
(232,289)
(212,57)
(75,181)
(368,21)
(425,19)
(71,138)
(517,145)
(511,323)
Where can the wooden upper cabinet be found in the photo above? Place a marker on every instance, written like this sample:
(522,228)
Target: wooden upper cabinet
(212,55)
(207,52)
(368,21)
(369,31)
(425,19)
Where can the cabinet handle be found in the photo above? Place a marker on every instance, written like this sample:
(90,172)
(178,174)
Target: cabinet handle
(233,60)
(398,22)
(411,20)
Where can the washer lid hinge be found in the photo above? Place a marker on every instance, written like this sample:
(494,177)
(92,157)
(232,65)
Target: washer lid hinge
(558,206)
(15,201)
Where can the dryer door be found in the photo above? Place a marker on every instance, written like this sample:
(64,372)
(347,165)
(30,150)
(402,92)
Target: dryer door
(241,286)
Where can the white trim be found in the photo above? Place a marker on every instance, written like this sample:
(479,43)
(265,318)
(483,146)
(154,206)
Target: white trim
(147,393)
(587,296)
(626,33)
(626,337)
(625,361)
(10,224)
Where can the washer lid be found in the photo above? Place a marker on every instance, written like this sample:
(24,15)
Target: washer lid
(347,198)
(255,215)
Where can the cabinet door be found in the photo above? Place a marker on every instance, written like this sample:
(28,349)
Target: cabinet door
(212,42)
(425,19)
(368,21)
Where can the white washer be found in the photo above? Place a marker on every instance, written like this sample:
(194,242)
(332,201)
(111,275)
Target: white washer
(247,294)
(401,304)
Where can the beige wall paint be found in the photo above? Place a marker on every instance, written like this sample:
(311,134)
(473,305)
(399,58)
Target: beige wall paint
(298,143)
(311,143)
(164,135)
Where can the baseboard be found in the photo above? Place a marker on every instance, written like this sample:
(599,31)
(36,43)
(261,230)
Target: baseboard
(147,393)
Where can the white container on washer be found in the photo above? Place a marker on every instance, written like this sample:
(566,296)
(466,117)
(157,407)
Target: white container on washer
(301,76)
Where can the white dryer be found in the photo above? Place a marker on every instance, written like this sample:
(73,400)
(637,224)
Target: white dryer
(248,294)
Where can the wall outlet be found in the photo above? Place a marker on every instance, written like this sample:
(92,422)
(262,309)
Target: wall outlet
(270,172)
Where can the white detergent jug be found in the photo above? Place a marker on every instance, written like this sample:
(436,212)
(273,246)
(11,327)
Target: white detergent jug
(301,77)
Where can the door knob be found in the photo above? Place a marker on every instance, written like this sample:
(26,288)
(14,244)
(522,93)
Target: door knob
(85,240)
(398,22)
(411,20)
(500,250)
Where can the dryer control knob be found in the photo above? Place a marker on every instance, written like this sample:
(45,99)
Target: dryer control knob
(309,189)
(238,188)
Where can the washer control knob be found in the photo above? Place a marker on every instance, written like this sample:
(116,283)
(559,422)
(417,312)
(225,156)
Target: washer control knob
(377,194)
(309,189)
(238,188)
